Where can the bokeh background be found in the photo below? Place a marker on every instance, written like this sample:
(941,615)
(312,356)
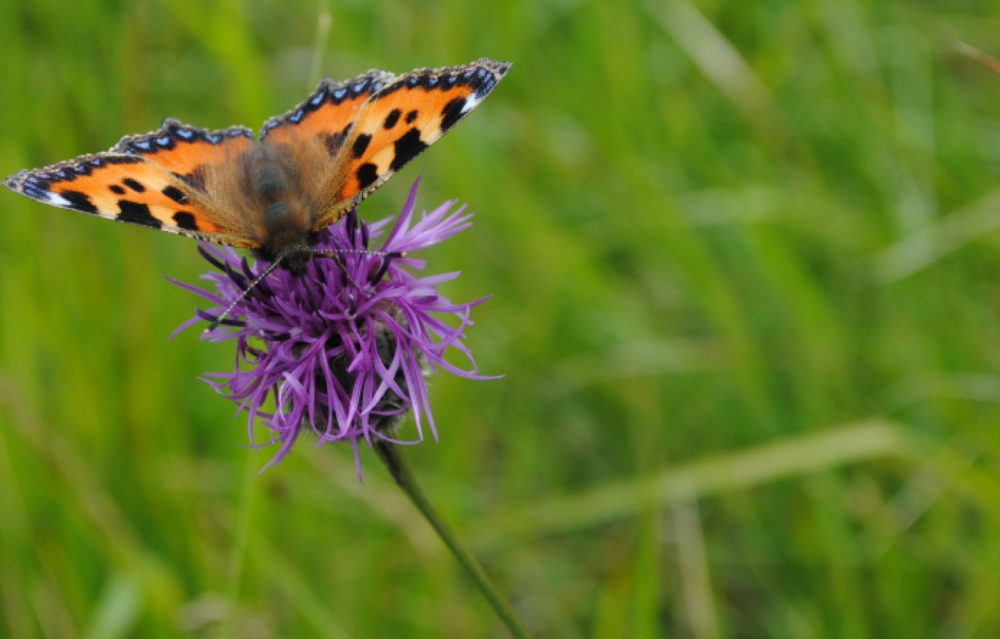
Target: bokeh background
(745,266)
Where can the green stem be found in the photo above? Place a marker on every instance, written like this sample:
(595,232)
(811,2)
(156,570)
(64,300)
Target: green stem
(401,472)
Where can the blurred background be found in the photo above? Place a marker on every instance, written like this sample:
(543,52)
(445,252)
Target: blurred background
(745,268)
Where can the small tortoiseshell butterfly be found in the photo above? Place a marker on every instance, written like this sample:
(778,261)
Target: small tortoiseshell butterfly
(310,166)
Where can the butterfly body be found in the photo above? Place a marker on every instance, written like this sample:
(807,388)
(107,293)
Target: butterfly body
(310,166)
(274,193)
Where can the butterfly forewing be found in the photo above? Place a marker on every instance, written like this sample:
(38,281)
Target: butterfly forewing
(327,114)
(400,121)
(188,151)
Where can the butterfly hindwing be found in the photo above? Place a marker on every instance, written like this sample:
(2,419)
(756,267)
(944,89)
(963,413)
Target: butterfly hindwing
(126,188)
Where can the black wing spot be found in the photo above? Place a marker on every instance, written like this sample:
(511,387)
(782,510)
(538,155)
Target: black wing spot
(195,178)
(411,116)
(333,141)
(134,185)
(367,174)
(79,201)
(407,147)
(392,118)
(117,189)
(136,214)
(360,144)
(452,113)
(185,220)
(174,194)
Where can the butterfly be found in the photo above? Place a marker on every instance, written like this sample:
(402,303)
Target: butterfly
(310,166)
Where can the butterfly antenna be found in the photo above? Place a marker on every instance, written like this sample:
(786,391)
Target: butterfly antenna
(221,319)
(336,252)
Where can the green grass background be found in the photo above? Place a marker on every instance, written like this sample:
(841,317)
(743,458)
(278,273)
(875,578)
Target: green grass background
(746,275)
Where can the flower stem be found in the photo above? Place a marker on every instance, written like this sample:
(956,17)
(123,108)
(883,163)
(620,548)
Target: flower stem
(404,477)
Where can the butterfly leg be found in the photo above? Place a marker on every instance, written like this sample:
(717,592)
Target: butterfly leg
(335,256)
(386,260)
(309,297)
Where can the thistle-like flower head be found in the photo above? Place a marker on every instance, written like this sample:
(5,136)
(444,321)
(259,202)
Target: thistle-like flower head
(344,349)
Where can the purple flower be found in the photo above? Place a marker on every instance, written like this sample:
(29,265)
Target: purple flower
(342,350)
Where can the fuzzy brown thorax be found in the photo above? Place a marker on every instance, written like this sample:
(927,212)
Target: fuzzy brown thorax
(281,204)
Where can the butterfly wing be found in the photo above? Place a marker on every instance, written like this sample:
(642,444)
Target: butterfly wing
(327,115)
(372,125)
(157,179)
(397,123)
(186,151)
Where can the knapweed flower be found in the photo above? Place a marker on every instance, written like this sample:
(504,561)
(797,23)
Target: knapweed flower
(344,349)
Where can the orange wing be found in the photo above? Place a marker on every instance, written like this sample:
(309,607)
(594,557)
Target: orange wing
(156,179)
(400,121)
(368,127)
(127,188)
(327,114)
(185,150)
